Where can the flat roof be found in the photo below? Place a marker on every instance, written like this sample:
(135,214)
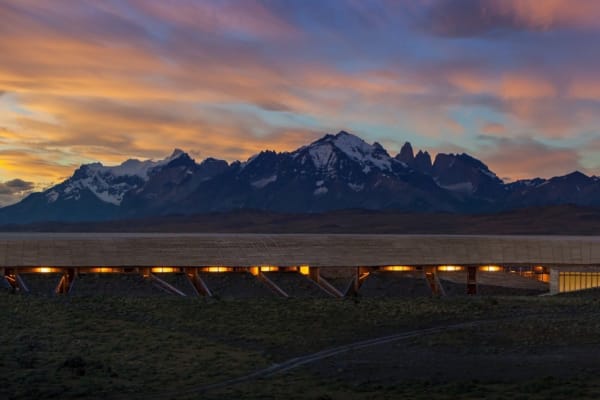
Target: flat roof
(318,250)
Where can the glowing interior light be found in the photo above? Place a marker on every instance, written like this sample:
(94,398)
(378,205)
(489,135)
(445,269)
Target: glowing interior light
(543,278)
(398,268)
(491,268)
(103,270)
(254,270)
(538,268)
(363,276)
(450,268)
(46,270)
(218,269)
(268,268)
(163,270)
(304,269)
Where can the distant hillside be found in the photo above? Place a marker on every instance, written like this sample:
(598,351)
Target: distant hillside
(336,172)
(558,220)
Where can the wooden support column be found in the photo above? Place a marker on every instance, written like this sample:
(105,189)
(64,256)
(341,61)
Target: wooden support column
(167,287)
(433,281)
(197,282)
(471,280)
(356,285)
(21,283)
(272,285)
(315,276)
(10,277)
(64,286)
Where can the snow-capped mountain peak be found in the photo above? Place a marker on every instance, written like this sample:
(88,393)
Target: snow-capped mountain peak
(109,183)
(325,152)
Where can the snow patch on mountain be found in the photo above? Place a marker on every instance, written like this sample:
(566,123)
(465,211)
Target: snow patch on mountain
(320,191)
(488,173)
(359,150)
(462,187)
(52,196)
(261,183)
(108,183)
(101,185)
(133,167)
(323,157)
(356,187)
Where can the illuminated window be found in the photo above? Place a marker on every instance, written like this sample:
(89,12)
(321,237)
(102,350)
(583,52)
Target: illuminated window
(572,281)
(46,270)
(268,268)
(164,270)
(398,268)
(104,270)
(450,268)
(491,268)
(304,269)
(217,269)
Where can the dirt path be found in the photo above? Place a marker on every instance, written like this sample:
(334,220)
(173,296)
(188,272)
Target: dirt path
(296,362)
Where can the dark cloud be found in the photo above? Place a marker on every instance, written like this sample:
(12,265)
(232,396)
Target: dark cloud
(15,186)
(14,190)
(462,18)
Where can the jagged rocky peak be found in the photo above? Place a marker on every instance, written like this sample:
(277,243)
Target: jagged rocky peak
(176,153)
(213,161)
(178,158)
(406,154)
(463,173)
(445,161)
(422,161)
(576,176)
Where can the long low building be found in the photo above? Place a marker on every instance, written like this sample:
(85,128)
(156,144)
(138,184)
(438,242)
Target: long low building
(559,260)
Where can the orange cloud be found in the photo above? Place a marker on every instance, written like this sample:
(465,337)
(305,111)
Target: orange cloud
(584,89)
(469,82)
(493,128)
(40,168)
(508,86)
(525,86)
(520,158)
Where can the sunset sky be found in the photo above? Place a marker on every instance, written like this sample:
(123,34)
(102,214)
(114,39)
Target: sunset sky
(515,83)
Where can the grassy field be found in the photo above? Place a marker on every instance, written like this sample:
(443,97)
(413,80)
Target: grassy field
(524,348)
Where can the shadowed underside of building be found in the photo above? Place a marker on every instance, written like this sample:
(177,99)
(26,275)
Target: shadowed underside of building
(294,265)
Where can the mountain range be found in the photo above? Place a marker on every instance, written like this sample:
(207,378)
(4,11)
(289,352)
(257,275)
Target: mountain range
(336,172)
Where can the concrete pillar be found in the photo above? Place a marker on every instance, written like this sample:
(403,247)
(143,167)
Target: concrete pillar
(554,281)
